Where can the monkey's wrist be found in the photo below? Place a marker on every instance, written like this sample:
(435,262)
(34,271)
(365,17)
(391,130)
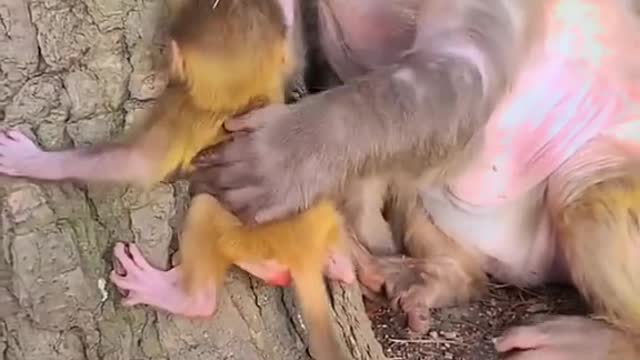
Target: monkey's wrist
(59,167)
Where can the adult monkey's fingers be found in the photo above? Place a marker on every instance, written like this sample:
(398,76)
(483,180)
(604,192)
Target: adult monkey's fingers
(255,119)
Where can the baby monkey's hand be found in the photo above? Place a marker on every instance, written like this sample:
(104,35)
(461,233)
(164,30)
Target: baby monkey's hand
(21,157)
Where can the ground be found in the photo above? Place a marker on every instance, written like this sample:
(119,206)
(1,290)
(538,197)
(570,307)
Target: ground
(466,332)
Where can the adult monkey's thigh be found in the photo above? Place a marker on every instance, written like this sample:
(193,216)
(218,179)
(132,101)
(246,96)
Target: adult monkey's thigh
(597,219)
(599,233)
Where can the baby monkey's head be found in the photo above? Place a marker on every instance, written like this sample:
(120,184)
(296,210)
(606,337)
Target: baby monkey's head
(231,52)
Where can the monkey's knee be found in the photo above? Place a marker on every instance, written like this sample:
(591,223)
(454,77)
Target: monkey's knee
(599,234)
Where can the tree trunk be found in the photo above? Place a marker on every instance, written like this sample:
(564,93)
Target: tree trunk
(77,72)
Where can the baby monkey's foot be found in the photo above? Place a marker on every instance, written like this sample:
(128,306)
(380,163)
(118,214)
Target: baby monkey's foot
(339,267)
(565,338)
(141,283)
(21,157)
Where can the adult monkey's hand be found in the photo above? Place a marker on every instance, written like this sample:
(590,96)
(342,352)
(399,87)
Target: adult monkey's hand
(563,338)
(263,171)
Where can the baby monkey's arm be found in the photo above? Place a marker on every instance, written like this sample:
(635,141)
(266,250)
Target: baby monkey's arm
(129,161)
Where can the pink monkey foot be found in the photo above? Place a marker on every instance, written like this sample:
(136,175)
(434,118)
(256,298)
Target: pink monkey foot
(339,267)
(21,157)
(141,283)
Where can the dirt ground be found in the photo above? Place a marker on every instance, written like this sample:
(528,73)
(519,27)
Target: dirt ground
(466,332)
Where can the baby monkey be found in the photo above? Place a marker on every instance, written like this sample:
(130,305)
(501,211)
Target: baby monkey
(227,58)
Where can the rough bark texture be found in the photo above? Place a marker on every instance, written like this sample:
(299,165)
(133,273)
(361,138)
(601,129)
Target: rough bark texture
(77,72)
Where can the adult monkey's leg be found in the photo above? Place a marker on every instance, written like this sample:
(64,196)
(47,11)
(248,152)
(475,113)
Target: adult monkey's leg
(598,228)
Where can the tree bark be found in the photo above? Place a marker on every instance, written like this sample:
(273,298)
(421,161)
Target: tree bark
(77,72)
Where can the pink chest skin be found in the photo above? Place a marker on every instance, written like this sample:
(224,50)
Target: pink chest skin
(562,100)
(553,111)
(572,93)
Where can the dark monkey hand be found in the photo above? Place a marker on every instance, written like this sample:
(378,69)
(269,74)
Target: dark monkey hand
(264,171)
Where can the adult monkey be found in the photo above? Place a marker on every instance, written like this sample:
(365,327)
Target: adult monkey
(525,114)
